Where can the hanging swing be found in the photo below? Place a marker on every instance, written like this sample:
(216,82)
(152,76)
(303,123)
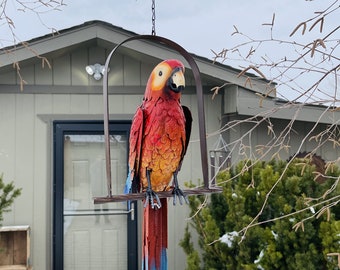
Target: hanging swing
(201,122)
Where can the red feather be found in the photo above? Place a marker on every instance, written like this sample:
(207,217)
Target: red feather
(155,237)
(159,138)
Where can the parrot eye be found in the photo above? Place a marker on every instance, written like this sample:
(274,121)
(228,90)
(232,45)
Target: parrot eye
(160,73)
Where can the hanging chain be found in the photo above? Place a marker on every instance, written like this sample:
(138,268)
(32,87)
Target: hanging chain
(153,8)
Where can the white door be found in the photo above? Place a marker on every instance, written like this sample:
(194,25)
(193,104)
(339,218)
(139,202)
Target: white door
(94,236)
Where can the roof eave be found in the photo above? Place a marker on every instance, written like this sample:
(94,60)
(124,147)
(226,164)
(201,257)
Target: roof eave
(113,34)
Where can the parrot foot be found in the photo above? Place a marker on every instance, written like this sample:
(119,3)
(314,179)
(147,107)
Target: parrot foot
(177,192)
(152,198)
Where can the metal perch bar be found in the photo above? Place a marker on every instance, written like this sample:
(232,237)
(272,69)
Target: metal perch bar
(162,194)
(201,122)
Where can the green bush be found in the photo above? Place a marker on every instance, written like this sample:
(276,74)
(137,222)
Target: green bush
(8,193)
(272,244)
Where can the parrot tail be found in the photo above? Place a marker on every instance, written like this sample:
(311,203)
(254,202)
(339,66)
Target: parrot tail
(128,183)
(155,237)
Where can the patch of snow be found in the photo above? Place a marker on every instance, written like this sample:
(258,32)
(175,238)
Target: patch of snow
(275,235)
(260,257)
(228,238)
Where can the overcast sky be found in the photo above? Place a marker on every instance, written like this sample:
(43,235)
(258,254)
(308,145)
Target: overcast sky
(198,26)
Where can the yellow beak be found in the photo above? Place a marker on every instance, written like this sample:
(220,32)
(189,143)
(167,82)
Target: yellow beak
(177,80)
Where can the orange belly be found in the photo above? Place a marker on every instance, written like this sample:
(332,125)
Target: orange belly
(162,147)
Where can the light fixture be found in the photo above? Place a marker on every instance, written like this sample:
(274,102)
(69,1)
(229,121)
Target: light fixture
(97,70)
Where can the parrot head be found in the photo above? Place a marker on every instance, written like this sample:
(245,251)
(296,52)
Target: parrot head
(166,79)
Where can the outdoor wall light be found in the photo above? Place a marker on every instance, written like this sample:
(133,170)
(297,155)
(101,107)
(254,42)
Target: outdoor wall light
(97,70)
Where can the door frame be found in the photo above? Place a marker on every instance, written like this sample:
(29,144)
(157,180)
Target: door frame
(60,129)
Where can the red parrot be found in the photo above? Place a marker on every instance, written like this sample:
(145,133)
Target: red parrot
(159,139)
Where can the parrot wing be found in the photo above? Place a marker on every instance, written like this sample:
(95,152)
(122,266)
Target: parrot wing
(135,148)
(188,124)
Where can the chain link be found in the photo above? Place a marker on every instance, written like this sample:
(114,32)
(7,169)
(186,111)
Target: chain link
(153,8)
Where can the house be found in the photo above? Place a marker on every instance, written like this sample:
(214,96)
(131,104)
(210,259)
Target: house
(52,144)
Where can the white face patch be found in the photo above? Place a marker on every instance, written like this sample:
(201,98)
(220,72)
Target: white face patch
(160,75)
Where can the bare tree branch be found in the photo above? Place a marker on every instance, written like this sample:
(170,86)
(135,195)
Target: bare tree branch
(306,75)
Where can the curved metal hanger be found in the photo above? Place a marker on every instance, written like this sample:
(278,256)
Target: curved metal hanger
(201,122)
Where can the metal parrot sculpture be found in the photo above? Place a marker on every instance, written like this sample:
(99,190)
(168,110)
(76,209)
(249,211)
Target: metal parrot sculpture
(159,139)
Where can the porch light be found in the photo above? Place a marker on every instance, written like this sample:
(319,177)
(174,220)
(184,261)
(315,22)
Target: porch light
(97,70)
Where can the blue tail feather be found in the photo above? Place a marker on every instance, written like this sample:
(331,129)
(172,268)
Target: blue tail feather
(163,263)
(164,260)
(128,183)
(127,188)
